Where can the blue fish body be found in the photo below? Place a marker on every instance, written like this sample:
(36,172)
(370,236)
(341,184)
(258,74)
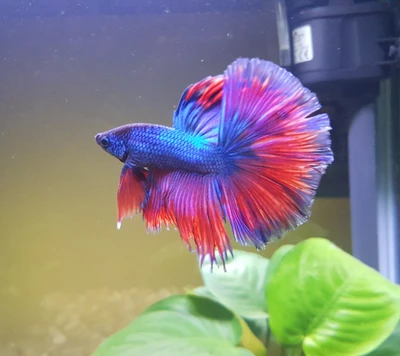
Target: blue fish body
(162,147)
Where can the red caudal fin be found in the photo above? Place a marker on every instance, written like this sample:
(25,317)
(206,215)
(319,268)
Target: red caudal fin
(278,151)
(191,202)
(131,192)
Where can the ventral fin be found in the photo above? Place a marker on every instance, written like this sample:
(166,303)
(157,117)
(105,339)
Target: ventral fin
(131,192)
(198,111)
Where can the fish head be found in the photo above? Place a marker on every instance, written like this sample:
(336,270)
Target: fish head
(114,142)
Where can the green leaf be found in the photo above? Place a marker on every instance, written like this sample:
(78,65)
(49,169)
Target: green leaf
(181,324)
(276,259)
(204,292)
(391,346)
(330,303)
(293,351)
(249,339)
(242,287)
(172,347)
(259,328)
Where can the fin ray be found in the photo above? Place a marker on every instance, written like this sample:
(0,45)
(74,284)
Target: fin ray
(191,202)
(131,192)
(198,111)
(278,151)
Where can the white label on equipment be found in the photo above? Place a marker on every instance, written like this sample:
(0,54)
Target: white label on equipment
(302,44)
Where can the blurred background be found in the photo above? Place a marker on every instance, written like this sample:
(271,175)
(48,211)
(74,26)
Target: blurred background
(69,69)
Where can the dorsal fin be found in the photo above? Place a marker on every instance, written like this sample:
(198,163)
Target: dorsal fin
(199,109)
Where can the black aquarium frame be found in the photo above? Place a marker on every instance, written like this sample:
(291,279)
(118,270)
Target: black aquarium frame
(349,54)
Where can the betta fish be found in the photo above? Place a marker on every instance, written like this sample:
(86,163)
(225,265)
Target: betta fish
(244,147)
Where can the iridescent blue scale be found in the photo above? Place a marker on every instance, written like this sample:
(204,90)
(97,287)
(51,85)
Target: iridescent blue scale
(170,149)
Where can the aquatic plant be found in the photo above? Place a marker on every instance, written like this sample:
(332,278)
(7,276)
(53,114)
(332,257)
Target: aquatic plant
(309,299)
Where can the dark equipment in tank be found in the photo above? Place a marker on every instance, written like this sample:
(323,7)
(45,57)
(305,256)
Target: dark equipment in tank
(348,53)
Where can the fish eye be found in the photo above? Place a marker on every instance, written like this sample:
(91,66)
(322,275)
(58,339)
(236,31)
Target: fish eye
(104,142)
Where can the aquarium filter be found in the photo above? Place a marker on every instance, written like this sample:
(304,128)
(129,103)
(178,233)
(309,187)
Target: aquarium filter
(347,53)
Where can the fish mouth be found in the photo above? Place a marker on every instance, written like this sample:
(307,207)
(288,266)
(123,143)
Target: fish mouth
(97,138)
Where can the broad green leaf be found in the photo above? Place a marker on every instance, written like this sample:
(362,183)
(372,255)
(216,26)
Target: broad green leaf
(242,287)
(293,351)
(259,328)
(249,339)
(181,324)
(172,347)
(391,346)
(330,303)
(204,292)
(276,259)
